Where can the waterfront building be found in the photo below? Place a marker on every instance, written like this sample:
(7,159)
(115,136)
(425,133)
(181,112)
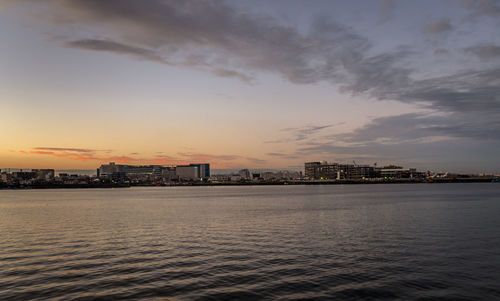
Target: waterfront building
(168,174)
(337,171)
(153,171)
(23,175)
(6,177)
(236,178)
(156,172)
(322,170)
(244,174)
(256,176)
(193,172)
(220,178)
(44,174)
(398,172)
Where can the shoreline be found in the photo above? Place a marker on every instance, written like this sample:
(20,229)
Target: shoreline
(270,183)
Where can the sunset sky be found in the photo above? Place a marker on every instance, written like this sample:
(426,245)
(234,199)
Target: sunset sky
(256,84)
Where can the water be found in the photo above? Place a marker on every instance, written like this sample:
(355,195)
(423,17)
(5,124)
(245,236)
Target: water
(349,242)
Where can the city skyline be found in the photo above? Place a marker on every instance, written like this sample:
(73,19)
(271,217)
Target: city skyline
(260,85)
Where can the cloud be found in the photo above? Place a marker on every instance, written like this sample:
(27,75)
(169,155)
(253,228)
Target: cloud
(437,27)
(256,160)
(231,73)
(208,35)
(85,154)
(81,156)
(420,127)
(295,134)
(452,141)
(66,149)
(207,157)
(477,8)
(282,155)
(216,37)
(472,91)
(386,10)
(219,160)
(111,46)
(441,51)
(484,51)
(103,156)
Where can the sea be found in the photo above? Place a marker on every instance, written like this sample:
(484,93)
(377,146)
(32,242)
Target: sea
(318,242)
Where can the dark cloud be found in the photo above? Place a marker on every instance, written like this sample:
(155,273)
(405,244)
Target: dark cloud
(308,129)
(437,27)
(470,91)
(107,45)
(441,51)
(211,35)
(479,8)
(282,155)
(386,10)
(231,73)
(419,127)
(66,149)
(295,134)
(485,51)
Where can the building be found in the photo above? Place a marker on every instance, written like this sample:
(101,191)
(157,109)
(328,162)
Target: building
(244,174)
(398,172)
(168,174)
(24,175)
(193,172)
(44,174)
(323,170)
(337,171)
(6,177)
(148,171)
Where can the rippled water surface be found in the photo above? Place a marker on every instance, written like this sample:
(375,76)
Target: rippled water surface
(349,242)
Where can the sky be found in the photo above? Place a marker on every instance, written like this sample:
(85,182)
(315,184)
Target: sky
(255,84)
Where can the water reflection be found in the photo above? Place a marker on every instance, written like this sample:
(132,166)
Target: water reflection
(347,242)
